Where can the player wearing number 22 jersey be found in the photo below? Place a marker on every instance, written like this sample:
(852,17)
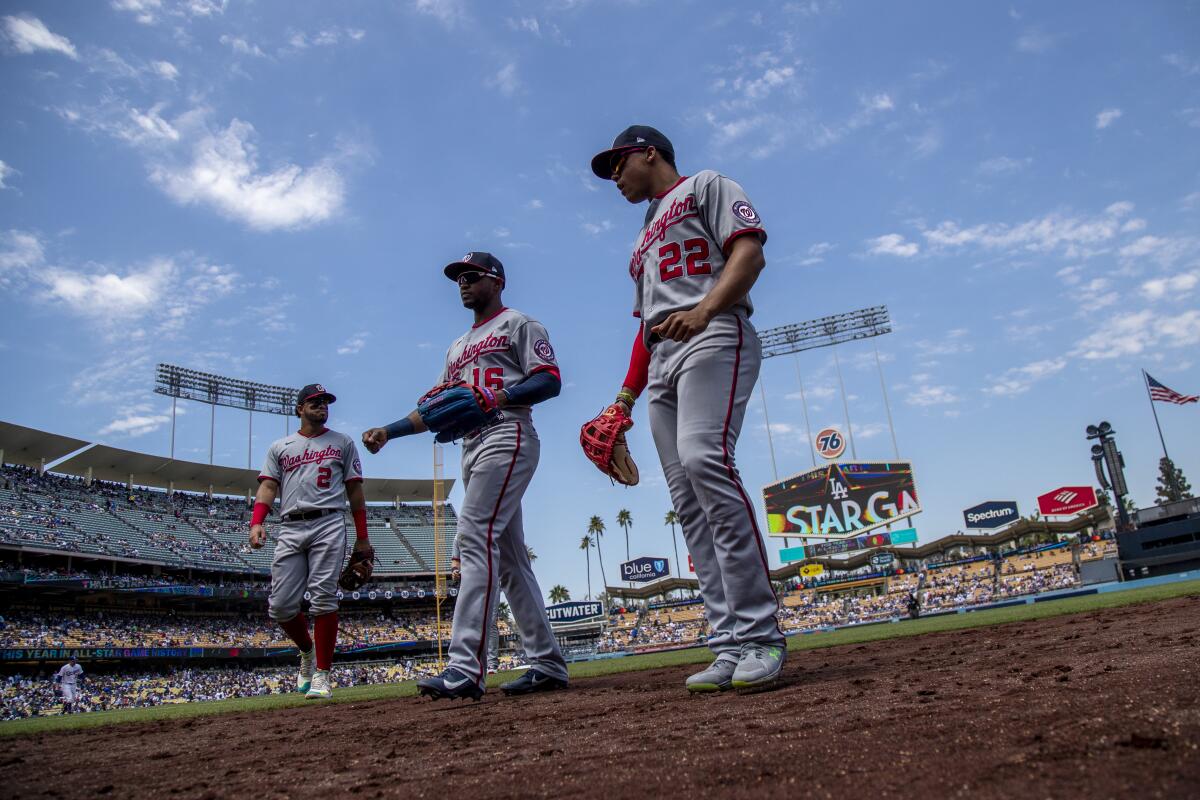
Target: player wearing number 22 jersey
(697,357)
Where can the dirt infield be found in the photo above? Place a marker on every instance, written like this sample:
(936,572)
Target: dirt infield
(1103,704)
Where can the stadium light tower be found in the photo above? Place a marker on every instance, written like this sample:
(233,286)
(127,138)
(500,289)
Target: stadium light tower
(217,390)
(866,323)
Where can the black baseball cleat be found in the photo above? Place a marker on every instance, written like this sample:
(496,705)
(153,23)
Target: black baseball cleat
(533,681)
(451,684)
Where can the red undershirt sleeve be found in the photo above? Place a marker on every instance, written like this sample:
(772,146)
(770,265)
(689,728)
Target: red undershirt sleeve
(639,364)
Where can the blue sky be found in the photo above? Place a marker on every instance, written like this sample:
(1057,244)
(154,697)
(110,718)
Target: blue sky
(269,191)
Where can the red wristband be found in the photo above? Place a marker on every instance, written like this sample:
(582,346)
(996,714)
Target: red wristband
(259,515)
(360,523)
(639,365)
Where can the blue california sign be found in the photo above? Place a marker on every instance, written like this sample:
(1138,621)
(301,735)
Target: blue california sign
(647,568)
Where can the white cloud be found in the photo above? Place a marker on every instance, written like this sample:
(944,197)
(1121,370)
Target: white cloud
(867,430)
(506,80)
(28,34)
(149,125)
(1069,275)
(1107,117)
(144,11)
(1001,165)
(1172,287)
(534,204)
(327,37)
(1190,202)
(1186,64)
(136,421)
(927,394)
(447,12)
(107,293)
(892,244)
(816,253)
(927,143)
(1163,250)
(597,228)
(19,251)
(1077,235)
(165,70)
(1019,380)
(224,174)
(1134,333)
(953,343)
(1094,295)
(1034,40)
(354,344)
(241,46)
(6,172)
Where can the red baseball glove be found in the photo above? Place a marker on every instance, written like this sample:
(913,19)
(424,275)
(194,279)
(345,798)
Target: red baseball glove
(603,442)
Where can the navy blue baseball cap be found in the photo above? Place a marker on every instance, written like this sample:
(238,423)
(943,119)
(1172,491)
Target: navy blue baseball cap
(477,261)
(311,391)
(635,137)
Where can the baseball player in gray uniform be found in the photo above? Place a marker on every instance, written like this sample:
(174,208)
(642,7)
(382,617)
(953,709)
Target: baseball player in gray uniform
(509,355)
(318,471)
(696,354)
(67,679)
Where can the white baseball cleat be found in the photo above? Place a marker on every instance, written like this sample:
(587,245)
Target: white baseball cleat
(320,686)
(304,676)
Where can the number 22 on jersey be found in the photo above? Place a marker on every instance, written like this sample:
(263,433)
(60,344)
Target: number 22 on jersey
(693,254)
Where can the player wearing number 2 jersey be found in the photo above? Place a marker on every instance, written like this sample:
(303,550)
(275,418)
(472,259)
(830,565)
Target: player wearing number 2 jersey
(697,356)
(509,354)
(317,470)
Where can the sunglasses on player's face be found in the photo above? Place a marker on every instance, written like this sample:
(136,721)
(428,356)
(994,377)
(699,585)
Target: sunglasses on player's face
(619,162)
(468,278)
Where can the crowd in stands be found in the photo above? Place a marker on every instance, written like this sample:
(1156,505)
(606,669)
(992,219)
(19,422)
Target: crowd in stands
(64,513)
(23,695)
(32,695)
(116,628)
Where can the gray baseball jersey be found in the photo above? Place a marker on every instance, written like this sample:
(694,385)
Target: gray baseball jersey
(312,472)
(698,391)
(680,252)
(500,352)
(497,466)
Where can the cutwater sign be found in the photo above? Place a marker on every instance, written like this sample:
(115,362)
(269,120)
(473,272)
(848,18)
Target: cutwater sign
(992,514)
(645,569)
(575,611)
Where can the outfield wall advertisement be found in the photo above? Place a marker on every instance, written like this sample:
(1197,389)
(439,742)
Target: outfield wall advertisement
(841,501)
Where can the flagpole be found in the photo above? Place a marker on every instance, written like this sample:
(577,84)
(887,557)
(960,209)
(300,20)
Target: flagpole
(1146,380)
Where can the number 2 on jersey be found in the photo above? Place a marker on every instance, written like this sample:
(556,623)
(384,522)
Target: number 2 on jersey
(493,378)
(670,254)
(324,475)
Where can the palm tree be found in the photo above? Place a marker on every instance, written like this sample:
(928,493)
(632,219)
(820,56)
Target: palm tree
(672,519)
(624,519)
(532,555)
(559,594)
(503,612)
(596,529)
(586,547)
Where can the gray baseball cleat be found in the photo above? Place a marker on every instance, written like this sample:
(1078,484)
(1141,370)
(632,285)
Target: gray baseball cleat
(716,677)
(759,666)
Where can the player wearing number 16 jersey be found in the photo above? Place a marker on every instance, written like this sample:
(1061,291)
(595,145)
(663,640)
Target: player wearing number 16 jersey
(508,356)
(697,356)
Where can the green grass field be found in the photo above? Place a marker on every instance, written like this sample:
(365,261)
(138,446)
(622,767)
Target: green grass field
(589,669)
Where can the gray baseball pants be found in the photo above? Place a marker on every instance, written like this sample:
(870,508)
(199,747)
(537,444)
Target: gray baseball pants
(497,466)
(698,392)
(309,555)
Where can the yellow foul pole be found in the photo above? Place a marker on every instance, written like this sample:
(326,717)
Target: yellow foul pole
(439,546)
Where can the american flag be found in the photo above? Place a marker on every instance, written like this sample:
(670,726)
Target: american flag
(1165,395)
